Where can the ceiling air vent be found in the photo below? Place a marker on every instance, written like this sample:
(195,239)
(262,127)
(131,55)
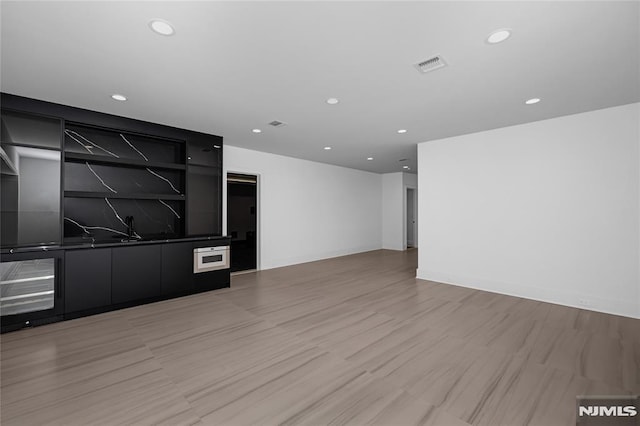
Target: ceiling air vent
(431,64)
(276,123)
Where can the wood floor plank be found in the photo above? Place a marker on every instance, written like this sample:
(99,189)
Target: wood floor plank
(351,340)
(75,372)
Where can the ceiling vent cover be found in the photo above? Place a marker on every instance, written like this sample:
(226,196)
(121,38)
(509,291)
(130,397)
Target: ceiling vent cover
(431,64)
(276,123)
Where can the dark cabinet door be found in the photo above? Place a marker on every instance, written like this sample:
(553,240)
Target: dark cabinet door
(213,280)
(204,185)
(135,273)
(177,268)
(30,184)
(87,281)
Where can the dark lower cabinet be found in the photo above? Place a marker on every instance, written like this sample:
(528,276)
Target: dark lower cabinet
(87,281)
(213,280)
(135,273)
(177,268)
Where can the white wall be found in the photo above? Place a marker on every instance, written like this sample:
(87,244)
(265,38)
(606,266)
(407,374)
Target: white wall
(306,210)
(394,214)
(547,210)
(392,211)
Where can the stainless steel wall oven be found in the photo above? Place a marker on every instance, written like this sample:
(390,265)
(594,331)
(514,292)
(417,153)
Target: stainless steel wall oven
(207,259)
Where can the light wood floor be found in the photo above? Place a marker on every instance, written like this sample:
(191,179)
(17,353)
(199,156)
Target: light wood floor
(355,340)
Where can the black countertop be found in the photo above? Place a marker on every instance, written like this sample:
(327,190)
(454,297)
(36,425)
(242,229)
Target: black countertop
(122,243)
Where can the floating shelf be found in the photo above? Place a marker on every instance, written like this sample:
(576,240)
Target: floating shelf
(138,196)
(99,159)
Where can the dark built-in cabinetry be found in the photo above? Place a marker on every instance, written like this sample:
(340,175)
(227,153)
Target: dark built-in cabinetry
(176,264)
(110,277)
(87,279)
(100,211)
(135,273)
(30,179)
(110,175)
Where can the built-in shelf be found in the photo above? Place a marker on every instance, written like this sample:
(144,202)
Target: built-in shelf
(114,196)
(122,175)
(139,196)
(97,159)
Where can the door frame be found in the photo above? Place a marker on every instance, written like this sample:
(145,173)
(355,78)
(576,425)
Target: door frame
(258,208)
(404,215)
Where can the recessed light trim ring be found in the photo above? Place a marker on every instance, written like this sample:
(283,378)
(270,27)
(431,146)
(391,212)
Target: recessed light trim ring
(162,27)
(498,36)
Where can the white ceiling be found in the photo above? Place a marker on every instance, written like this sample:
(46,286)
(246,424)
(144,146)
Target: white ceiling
(235,66)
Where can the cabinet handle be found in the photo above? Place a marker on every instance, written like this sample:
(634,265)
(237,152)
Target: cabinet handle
(56,272)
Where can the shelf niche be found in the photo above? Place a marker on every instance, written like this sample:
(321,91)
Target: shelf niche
(121,147)
(103,219)
(111,175)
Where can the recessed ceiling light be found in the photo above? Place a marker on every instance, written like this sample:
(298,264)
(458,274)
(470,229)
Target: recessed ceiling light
(405,167)
(499,36)
(119,97)
(532,101)
(327,148)
(161,27)
(369,158)
(332,101)
(402,131)
(257,131)
(216,146)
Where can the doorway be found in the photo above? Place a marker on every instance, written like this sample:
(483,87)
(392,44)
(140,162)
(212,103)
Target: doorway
(411,218)
(242,201)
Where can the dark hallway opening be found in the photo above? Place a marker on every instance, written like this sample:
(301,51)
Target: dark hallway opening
(242,220)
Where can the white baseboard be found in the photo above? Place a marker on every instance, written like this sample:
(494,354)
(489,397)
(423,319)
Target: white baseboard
(609,306)
(289,261)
